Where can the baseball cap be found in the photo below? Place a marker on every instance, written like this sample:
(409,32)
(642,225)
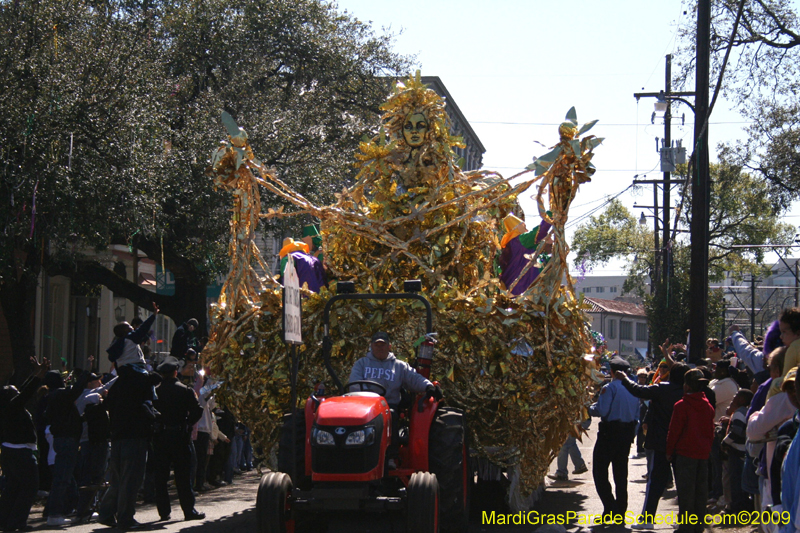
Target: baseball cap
(695,379)
(381,336)
(788,380)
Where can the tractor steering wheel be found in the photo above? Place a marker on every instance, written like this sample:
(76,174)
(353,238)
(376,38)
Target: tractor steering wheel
(364,386)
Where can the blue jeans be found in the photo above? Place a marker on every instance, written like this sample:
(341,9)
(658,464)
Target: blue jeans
(64,491)
(247,455)
(22,481)
(236,451)
(92,468)
(749,476)
(126,466)
(569,450)
(233,459)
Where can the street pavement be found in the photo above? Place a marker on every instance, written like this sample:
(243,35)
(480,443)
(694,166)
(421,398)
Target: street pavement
(231,509)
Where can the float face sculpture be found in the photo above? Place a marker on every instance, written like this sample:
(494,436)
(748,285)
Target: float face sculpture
(514,363)
(414,130)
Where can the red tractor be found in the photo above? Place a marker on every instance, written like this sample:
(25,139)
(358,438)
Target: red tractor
(333,454)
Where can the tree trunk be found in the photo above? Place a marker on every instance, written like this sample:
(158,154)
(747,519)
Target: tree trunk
(18,301)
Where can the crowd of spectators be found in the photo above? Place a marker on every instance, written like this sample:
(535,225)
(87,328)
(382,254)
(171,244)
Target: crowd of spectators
(93,446)
(723,425)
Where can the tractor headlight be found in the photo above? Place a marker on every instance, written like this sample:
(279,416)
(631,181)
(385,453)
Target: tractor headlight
(361,437)
(323,438)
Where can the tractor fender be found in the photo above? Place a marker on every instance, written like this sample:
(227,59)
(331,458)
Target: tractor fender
(419,427)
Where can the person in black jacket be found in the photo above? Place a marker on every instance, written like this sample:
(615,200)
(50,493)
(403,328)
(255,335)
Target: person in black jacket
(52,381)
(132,416)
(179,410)
(18,454)
(662,398)
(185,337)
(66,426)
(94,444)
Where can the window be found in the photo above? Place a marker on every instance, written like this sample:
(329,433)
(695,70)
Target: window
(625,330)
(587,290)
(601,289)
(612,329)
(612,289)
(641,331)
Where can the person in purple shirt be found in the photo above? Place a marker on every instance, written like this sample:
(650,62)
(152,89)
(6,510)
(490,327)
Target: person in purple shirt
(518,247)
(309,269)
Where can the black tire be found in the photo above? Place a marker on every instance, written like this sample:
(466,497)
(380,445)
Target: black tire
(448,458)
(272,510)
(297,423)
(423,503)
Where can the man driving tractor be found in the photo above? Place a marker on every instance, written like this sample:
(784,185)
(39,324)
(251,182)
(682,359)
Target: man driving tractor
(380,365)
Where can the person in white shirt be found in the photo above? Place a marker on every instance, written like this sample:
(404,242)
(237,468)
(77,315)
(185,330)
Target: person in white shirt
(725,389)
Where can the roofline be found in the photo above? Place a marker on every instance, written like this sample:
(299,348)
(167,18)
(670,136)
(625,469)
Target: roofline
(604,309)
(451,104)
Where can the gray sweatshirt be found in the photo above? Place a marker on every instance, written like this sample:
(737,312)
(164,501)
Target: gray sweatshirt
(391,373)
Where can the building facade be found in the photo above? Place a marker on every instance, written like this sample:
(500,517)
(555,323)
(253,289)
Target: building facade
(472,154)
(753,303)
(607,288)
(623,324)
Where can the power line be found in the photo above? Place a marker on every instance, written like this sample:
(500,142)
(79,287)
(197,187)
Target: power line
(599,207)
(688,123)
(521,167)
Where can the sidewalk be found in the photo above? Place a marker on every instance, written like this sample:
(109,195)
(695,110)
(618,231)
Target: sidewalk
(229,509)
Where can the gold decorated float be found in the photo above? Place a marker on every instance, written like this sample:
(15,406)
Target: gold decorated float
(514,364)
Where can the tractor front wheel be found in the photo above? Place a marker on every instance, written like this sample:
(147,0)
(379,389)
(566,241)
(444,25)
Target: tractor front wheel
(272,503)
(423,503)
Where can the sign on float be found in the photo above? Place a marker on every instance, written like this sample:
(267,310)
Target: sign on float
(292,311)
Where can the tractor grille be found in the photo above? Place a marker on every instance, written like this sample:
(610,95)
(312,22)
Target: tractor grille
(341,459)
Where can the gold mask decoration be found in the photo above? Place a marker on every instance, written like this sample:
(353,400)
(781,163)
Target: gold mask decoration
(414,129)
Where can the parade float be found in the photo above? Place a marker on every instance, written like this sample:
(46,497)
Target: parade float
(514,364)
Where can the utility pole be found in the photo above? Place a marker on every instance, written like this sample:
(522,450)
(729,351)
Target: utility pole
(665,220)
(669,156)
(698,274)
(656,267)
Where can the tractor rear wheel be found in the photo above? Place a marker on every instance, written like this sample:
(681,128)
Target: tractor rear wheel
(448,458)
(423,503)
(293,422)
(272,503)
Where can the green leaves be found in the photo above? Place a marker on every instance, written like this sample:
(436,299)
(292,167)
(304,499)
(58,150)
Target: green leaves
(541,164)
(572,116)
(230,125)
(586,127)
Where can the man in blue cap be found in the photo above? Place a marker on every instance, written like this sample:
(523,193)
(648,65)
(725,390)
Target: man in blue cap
(618,410)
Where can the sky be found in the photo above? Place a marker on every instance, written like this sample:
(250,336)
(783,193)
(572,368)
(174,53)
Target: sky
(515,67)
